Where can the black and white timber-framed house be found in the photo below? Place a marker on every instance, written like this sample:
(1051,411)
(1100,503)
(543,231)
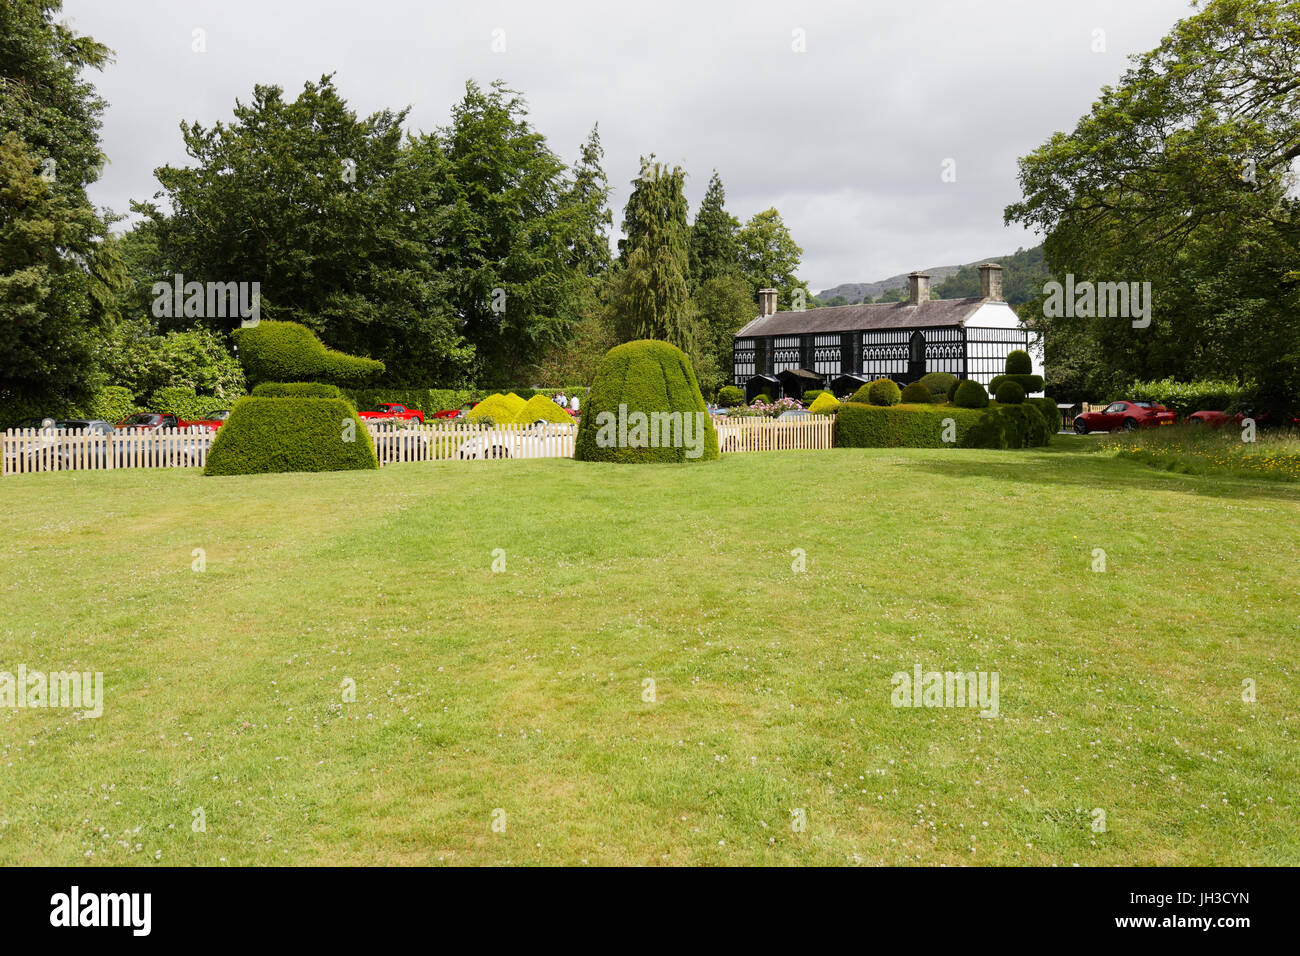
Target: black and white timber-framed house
(840,348)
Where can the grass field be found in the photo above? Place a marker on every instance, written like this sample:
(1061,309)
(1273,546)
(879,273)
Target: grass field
(522,691)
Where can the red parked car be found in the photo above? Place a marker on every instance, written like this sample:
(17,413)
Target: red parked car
(1236,415)
(392,410)
(210,420)
(1127,415)
(148,421)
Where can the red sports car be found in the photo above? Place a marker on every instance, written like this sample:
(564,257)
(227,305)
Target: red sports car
(211,420)
(1236,415)
(1127,415)
(391,410)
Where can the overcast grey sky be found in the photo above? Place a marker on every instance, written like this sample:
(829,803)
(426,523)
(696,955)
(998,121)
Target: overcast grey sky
(848,138)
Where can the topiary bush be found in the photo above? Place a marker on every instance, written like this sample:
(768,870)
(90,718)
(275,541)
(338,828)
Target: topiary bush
(296,390)
(540,408)
(729,396)
(289,352)
(883,391)
(970,394)
(265,435)
(762,398)
(916,394)
(497,409)
(1019,363)
(1009,393)
(1051,414)
(1030,383)
(812,395)
(825,404)
(891,426)
(640,391)
(1010,426)
(939,383)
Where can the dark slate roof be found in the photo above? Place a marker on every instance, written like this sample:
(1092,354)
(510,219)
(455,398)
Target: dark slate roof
(858,318)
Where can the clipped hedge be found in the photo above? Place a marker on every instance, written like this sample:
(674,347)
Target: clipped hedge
(1009,393)
(1011,426)
(762,398)
(1188,397)
(1019,363)
(939,383)
(1047,407)
(264,435)
(1030,383)
(289,352)
(654,379)
(729,396)
(112,403)
(296,390)
(181,402)
(916,394)
(859,425)
(824,404)
(539,408)
(970,394)
(812,395)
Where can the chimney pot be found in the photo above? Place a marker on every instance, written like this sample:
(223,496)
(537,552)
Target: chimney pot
(767,301)
(991,281)
(918,284)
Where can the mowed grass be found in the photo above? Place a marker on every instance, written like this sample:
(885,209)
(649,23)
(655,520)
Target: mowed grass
(518,695)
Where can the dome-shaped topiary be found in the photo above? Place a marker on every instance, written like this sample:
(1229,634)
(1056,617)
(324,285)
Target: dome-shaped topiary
(970,394)
(289,352)
(1019,363)
(824,404)
(860,396)
(939,383)
(539,408)
(498,409)
(1009,393)
(762,398)
(916,394)
(645,406)
(883,391)
(267,434)
(729,396)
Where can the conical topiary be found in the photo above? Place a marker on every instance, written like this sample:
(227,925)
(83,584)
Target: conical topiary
(645,406)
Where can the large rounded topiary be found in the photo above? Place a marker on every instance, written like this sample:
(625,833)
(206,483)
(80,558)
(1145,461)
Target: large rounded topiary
(1009,393)
(824,404)
(939,383)
(970,394)
(1019,363)
(883,391)
(289,352)
(916,394)
(266,434)
(539,408)
(498,409)
(645,406)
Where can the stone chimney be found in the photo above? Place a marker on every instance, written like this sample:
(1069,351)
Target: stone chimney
(991,281)
(918,284)
(766,302)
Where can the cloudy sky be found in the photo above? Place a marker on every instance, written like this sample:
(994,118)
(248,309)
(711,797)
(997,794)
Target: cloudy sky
(843,115)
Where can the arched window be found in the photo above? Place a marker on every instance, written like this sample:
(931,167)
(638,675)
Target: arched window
(916,347)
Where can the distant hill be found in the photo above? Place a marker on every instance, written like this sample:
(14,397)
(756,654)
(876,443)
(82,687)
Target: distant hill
(1023,275)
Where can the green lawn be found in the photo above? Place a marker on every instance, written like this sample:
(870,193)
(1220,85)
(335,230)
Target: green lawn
(522,690)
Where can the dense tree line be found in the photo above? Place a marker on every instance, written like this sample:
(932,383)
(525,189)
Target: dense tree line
(472,254)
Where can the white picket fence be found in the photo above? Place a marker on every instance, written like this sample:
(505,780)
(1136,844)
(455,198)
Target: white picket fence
(768,434)
(57,449)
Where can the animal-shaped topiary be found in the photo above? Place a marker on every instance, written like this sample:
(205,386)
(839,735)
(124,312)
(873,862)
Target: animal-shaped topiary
(289,352)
